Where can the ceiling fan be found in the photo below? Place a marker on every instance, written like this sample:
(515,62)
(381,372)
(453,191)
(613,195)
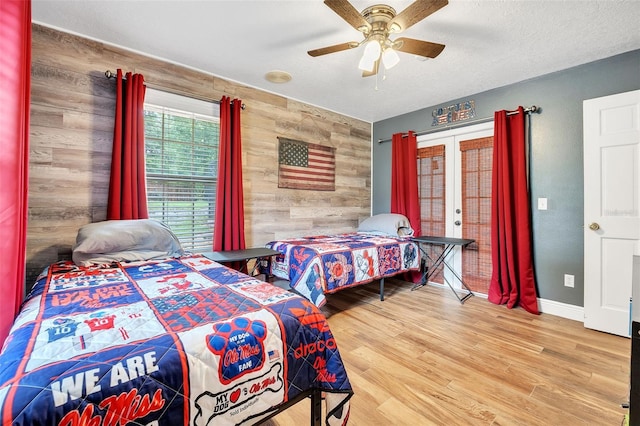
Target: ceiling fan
(377,23)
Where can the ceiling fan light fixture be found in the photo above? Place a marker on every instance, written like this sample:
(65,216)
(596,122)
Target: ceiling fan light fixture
(366,64)
(372,50)
(390,58)
(371,54)
(377,23)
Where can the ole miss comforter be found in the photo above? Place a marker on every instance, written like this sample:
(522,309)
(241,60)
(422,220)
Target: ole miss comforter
(171,342)
(322,264)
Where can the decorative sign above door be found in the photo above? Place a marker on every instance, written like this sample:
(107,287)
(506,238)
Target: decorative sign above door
(457,112)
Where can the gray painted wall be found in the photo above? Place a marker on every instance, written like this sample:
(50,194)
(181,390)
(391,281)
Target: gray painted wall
(556,159)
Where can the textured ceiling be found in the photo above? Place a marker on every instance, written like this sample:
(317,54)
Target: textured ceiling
(489,43)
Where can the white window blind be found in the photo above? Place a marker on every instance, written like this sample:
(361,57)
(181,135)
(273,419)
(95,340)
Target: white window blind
(181,155)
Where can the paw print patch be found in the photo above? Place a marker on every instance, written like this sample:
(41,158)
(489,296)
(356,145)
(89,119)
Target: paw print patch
(240,345)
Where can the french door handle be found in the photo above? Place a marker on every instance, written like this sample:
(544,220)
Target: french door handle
(457,223)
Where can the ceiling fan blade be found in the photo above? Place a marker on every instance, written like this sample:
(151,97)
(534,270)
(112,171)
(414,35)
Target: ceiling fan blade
(332,49)
(349,14)
(416,12)
(418,47)
(376,65)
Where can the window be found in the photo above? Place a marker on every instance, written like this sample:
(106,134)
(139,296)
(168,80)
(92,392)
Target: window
(181,149)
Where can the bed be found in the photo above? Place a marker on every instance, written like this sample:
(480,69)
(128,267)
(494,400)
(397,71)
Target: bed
(176,339)
(324,264)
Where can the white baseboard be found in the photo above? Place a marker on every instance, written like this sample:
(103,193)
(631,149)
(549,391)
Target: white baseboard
(551,307)
(560,309)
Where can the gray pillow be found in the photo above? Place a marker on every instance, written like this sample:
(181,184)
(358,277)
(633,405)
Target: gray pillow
(387,223)
(124,240)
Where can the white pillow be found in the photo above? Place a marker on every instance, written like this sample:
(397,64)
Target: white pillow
(387,223)
(124,240)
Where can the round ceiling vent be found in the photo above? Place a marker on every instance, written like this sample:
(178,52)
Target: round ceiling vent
(278,76)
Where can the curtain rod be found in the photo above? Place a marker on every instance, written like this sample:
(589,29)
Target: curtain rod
(527,110)
(110,74)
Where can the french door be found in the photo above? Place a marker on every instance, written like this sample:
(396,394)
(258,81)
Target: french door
(454,173)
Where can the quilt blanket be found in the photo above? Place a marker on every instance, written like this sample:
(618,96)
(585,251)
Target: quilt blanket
(171,342)
(322,264)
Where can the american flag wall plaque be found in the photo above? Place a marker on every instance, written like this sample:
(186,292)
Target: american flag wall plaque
(303,165)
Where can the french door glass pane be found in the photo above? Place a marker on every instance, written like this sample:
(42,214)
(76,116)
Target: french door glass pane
(477,161)
(431,187)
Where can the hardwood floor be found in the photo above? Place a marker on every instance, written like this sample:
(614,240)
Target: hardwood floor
(421,358)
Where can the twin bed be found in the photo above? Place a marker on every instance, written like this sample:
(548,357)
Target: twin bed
(134,331)
(324,264)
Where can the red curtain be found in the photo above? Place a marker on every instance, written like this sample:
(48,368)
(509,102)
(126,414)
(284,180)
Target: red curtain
(15,73)
(404,178)
(404,185)
(127,185)
(229,221)
(512,280)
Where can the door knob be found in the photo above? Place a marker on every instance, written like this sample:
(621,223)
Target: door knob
(594,226)
(457,223)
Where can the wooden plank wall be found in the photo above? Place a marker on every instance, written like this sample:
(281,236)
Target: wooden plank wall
(71,135)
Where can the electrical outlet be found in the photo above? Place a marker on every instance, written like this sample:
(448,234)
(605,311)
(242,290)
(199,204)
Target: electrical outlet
(569,280)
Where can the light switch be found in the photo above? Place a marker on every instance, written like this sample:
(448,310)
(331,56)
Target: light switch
(542,203)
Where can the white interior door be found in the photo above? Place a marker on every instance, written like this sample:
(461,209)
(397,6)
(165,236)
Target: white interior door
(453,183)
(611,208)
